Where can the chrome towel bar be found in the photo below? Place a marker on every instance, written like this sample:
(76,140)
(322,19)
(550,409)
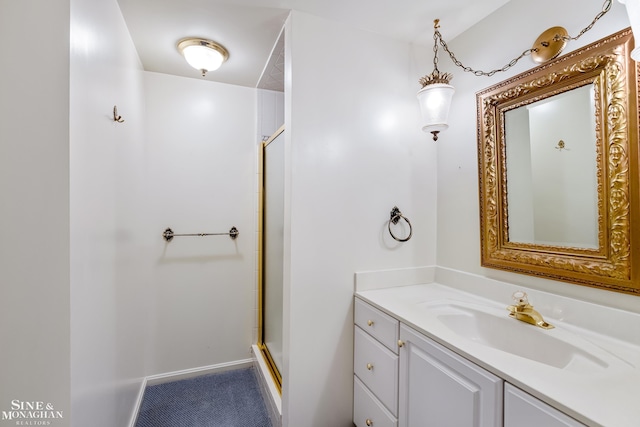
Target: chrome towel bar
(169,234)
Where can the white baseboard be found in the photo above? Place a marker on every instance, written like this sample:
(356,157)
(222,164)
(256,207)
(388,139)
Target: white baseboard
(196,372)
(183,375)
(136,408)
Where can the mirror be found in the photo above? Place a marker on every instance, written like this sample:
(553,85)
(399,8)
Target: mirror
(552,197)
(558,169)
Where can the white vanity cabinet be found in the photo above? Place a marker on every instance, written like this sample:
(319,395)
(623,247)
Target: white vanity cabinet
(402,378)
(440,388)
(523,410)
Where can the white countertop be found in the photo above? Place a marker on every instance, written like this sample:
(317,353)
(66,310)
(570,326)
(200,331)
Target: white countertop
(607,396)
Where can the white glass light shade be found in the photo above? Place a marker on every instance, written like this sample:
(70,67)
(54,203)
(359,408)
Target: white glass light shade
(203,58)
(633,12)
(203,55)
(435,101)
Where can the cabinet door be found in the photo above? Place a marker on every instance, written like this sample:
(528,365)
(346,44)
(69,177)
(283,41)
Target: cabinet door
(523,410)
(440,388)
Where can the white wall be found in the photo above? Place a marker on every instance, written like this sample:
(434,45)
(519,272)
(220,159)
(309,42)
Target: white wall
(34,211)
(200,160)
(110,236)
(270,112)
(488,45)
(354,149)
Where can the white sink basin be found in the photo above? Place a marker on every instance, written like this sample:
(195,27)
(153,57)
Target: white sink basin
(494,328)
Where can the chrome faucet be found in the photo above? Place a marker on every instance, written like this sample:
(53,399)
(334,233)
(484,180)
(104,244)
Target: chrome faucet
(524,311)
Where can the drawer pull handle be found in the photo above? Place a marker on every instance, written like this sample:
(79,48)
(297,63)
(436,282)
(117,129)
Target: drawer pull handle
(369,422)
(370,322)
(400,343)
(369,366)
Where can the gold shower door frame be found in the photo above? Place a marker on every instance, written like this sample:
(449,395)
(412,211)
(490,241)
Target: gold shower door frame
(273,369)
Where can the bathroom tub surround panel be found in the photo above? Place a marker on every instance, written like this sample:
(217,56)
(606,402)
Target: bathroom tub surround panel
(606,397)
(201,172)
(110,238)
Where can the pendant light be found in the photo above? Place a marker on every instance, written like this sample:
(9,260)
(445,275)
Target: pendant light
(435,95)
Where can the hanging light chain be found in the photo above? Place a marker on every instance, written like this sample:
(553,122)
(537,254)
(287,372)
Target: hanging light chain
(436,76)
(605,8)
(438,38)
(480,72)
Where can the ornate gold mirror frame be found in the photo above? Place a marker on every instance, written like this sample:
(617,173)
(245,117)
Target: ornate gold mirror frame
(614,264)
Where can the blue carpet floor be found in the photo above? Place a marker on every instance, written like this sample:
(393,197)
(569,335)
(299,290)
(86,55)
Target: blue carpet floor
(227,399)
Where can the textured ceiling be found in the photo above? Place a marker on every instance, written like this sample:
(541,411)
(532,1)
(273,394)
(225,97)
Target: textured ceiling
(249,29)
(273,75)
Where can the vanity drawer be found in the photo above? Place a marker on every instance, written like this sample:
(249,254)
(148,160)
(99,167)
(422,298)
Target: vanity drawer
(380,325)
(367,410)
(377,368)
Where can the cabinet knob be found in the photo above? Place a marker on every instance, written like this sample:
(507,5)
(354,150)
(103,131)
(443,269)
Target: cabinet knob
(369,366)
(400,343)
(370,322)
(369,422)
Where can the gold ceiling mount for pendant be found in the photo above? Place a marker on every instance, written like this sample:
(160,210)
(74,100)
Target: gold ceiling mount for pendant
(549,44)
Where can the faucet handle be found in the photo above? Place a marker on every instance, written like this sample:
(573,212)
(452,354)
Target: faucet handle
(520,297)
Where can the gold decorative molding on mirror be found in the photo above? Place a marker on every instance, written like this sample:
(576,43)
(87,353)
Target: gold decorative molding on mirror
(613,261)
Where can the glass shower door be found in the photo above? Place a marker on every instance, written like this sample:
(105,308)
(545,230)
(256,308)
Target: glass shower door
(272,253)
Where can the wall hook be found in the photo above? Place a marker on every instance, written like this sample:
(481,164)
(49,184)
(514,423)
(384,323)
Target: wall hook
(116,117)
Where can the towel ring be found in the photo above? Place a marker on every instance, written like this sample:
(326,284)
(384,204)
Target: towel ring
(396,215)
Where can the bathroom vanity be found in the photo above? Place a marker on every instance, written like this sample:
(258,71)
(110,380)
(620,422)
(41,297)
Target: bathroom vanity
(431,355)
(426,354)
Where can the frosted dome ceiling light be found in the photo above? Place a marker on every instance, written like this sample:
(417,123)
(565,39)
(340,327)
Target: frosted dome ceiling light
(201,54)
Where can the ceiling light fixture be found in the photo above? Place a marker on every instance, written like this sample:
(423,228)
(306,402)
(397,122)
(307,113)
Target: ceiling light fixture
(203,55)
(436,93)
